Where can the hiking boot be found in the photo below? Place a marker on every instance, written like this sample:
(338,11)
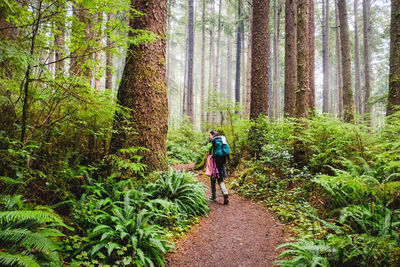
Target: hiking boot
(226,201)
(212,199)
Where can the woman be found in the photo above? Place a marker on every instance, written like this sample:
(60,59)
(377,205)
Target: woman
(220,163)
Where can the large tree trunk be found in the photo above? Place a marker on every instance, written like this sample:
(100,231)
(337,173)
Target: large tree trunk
(338,63)
(357,78)
(259,64)
(290,56)
(311,41)
(143,89)
(238,52)
(367,71)
(203,60)
(190,96)
(348,102)
(303,60)
(325,57)
(394,60)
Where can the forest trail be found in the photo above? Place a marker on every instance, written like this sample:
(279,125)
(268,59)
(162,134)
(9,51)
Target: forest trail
(241,233)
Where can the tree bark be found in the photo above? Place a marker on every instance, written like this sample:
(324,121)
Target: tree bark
(109,58)
(357,78)
(143,89)
(203,60)
(348,102)
(303,60)
(60,36)
(367,70)
(276,78)
(211,63)
(394,60)
(249,59)
(311,40)
(217,56)
(290,56)
(339,63)
(190,96)
(259,64)
(325,57)
(238,52)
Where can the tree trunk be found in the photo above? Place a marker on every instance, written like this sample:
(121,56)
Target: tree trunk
(394,60)
(249,59)
(211,63)
(97,55)
(348,102)
(290,56)
(357,78)
(325,57)
(217,56)
(311,28)
(143,89)
(59,37)
(190,96)
(203,58)
(367,70)
(259,64)
(339,63)
(109,58)
(243,67)
(303,60)
(229,93)
(276,79)
(238,52)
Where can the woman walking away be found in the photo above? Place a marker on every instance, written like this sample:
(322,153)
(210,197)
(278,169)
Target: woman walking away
(219,151)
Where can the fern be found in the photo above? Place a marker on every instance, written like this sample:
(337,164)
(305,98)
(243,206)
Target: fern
(7,259)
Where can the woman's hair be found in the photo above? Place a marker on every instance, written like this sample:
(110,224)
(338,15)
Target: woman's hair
(214,132)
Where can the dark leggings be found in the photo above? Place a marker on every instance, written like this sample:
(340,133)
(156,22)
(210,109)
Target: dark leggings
(220,162)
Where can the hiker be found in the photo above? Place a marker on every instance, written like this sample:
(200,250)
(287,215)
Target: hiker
(220,151)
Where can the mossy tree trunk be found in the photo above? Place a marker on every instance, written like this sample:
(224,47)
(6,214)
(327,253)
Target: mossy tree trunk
(259,63)
(290,57)
(394,60)
(348,101)
(143,89)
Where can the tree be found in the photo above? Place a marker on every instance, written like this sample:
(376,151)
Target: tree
(276,76)
(311,41)
(259,63)
(303,60)
(394,60)
(238,52)
(249,59)
(143,89)
(367,70)
(190,94)
(203,57)
(325,57)
(290,56)
(348,101)
(109,57)
(357,78)
(339,82)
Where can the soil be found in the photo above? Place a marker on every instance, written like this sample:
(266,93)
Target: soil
(241,233)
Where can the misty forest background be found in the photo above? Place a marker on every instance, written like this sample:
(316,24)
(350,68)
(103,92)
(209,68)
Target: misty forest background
(99,99)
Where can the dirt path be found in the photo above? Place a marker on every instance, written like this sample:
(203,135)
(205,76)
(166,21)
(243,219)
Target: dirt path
(239,234)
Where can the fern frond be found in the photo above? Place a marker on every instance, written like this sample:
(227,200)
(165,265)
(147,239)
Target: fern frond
(24,215)
(7,259)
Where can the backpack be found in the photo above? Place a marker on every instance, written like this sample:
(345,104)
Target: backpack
(221,147)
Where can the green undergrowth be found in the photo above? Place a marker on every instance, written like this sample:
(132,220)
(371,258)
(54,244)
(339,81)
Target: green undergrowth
(108,214)
(342,205)
(184,143)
